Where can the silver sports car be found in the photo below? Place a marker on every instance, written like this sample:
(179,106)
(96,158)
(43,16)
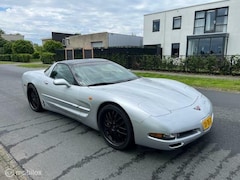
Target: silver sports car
(126,109)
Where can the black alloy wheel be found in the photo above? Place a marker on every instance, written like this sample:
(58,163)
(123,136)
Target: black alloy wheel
(33,98)
(115,127)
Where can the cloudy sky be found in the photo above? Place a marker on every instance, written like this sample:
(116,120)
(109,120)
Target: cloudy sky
(37,19)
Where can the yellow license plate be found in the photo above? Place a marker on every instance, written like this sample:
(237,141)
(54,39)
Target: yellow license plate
(207,123)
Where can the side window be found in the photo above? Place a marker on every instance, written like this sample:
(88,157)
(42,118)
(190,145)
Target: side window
(62,71)
(175,49)
(156,25)
(177,21)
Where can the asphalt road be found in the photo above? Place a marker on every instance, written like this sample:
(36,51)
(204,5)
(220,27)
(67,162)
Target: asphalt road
(51,146)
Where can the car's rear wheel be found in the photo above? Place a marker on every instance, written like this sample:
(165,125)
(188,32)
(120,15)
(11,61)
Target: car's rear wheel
(33,98)
(115,127)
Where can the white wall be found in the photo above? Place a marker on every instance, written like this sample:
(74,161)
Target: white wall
(166,36)
(234,28)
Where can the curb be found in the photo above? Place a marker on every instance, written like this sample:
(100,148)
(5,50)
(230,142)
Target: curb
(9,168)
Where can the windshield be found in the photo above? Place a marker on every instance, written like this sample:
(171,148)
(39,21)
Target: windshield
(101,74)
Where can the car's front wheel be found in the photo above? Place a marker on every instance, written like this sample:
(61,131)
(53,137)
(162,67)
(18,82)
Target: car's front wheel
(33,98)
(115,126)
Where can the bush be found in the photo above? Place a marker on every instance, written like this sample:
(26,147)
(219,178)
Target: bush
(235,64)
(36,55)
(5,57)
(47,58)
(21,57)
(22,46)
(2,41)
(211,64)
(7,48)
(51,46)
(224,66)
(1,50)
(194,64)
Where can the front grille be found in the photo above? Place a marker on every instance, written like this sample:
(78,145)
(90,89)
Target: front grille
(187,133)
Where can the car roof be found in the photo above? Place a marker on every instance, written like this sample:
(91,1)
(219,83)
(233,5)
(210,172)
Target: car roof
(83,61)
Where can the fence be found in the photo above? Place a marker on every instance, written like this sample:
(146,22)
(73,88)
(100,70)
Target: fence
(101,52)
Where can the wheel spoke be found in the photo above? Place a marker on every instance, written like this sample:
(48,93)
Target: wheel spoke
(33,99)
(122,133)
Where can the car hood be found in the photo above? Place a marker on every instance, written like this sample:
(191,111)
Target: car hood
(153,95)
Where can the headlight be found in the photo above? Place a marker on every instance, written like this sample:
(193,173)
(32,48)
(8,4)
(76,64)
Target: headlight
(162,136)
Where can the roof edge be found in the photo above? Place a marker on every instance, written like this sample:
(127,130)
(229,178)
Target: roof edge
(186,7)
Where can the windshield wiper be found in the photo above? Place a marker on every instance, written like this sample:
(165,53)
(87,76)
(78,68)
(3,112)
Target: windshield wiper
(101,84)
(107,83)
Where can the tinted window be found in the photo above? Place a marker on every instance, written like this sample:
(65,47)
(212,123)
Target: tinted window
(62,71)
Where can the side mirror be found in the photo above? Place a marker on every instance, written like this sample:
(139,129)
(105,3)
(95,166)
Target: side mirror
(59,82)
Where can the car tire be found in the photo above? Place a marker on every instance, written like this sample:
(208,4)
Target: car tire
(33,99)
(115,127)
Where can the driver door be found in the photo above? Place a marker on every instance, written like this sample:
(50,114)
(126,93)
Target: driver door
(62,98)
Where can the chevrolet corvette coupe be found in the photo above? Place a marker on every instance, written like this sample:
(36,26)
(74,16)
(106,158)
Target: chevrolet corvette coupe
(126,109)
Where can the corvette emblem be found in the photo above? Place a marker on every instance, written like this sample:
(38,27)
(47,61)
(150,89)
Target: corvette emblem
(197,108)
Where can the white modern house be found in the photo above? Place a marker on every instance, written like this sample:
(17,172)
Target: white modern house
(211,28)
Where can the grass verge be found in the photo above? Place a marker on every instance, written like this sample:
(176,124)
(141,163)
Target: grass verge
(6,62)
(33,65)
(224,84)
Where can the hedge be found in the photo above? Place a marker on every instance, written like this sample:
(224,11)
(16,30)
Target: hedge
(47,58)
(5,57)
(228,65)
(21,57)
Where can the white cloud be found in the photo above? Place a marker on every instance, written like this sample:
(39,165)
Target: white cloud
(37,19)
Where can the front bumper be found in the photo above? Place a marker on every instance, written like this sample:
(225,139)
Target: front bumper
(182,138)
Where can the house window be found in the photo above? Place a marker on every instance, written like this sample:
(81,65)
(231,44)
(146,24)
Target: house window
(211,21)
(199,22)
(175,49)
(156,25)
(206,45)
(177,21)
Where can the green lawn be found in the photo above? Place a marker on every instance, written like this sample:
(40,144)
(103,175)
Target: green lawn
(217,83)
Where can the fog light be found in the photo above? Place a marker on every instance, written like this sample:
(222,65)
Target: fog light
(162,136)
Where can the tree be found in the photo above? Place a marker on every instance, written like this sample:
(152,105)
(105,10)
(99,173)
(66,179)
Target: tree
(7,48)
(38,48)
(22,46)
(2,31)
(52,46)
(2,41)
